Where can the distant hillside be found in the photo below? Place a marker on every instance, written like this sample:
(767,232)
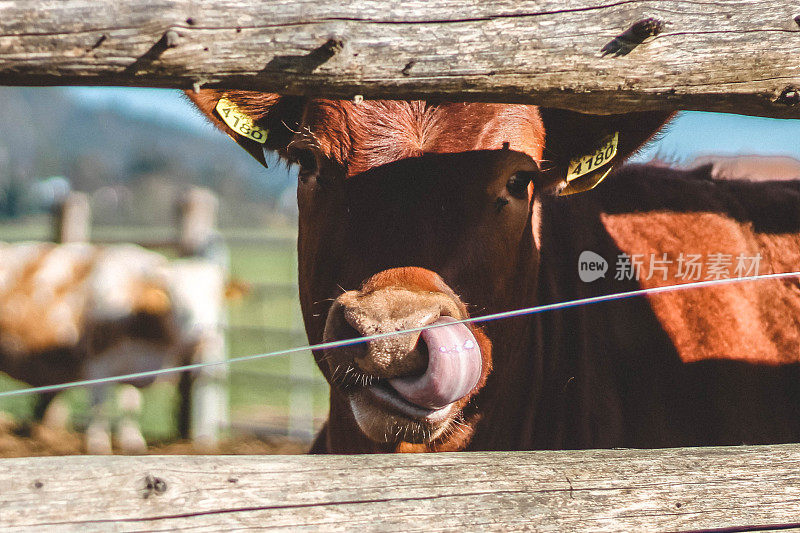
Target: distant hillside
(47,134)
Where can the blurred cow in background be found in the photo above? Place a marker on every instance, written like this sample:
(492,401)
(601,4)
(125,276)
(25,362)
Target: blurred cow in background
(76,311)
(750,167)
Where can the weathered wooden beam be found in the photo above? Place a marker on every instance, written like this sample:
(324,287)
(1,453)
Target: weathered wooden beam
(739,56)
(610,490)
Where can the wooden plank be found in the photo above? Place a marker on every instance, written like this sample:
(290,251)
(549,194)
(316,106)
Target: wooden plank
(607,490)
(728,55)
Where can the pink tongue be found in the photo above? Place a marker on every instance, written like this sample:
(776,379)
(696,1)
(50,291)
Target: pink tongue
(454,367)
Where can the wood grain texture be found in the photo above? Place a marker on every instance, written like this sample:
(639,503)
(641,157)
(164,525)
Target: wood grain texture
(725,55)
(750,487)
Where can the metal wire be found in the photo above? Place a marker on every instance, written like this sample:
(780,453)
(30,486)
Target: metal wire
(349,342)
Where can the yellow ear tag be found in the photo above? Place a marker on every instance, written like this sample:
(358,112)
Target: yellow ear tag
(239,122)
(585,183)
(586,172)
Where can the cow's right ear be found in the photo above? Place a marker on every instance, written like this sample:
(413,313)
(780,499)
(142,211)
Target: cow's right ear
(255,120)
(581,150)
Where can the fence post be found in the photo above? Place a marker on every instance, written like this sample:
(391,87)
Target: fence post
(203,393)
(197,213)
(72,219)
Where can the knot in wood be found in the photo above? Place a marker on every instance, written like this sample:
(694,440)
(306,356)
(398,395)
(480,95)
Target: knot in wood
(649,27)
(638,33)
(332,47)
(153,485)
(790,96)
(171,39)
(99,41)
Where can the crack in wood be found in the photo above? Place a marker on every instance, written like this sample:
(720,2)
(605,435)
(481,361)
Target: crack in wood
(274,507)
(79,32)
(724,32)
(744,529)
(461,20)
(718,82)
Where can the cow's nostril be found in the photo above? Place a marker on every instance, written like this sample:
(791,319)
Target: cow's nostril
(340,358)
(346,331)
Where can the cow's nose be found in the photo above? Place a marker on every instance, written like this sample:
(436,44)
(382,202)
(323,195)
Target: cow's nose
(382,310)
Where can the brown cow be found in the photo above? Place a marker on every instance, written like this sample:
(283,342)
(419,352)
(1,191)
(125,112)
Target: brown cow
(750,167)
(415,214)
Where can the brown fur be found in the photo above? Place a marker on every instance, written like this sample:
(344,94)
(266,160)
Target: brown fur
(375,133)
(753,321)
(42,314)
(46,332)
(696,367)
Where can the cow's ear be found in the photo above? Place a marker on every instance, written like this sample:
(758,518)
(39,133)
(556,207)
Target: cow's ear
(255,120)
(581,150)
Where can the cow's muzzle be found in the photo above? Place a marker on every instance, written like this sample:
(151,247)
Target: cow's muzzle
(403,386)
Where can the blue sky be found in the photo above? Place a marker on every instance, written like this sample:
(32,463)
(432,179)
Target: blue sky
(166,105)
(691,133)
(694,133)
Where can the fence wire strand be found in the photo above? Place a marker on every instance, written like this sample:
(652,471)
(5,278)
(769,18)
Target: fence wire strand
(358,340)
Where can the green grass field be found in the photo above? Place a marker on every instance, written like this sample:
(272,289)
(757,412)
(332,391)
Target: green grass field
(265,320)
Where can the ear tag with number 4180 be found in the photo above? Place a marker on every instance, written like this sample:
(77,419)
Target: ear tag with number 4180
(239,122)
(587,171)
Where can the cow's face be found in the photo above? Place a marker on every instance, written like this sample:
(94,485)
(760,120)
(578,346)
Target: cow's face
(409,212)
(412,215)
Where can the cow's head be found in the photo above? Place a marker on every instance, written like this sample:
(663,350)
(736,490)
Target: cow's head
(415,214)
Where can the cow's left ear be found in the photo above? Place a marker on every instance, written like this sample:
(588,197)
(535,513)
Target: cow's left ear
(581,150)
(255,120)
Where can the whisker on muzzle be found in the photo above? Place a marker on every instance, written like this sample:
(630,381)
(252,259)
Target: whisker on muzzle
(347,375)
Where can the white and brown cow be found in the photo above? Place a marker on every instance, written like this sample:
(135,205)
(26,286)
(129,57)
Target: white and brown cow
(77,311)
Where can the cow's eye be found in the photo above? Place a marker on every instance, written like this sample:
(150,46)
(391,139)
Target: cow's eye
(517,184)
(305,158)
